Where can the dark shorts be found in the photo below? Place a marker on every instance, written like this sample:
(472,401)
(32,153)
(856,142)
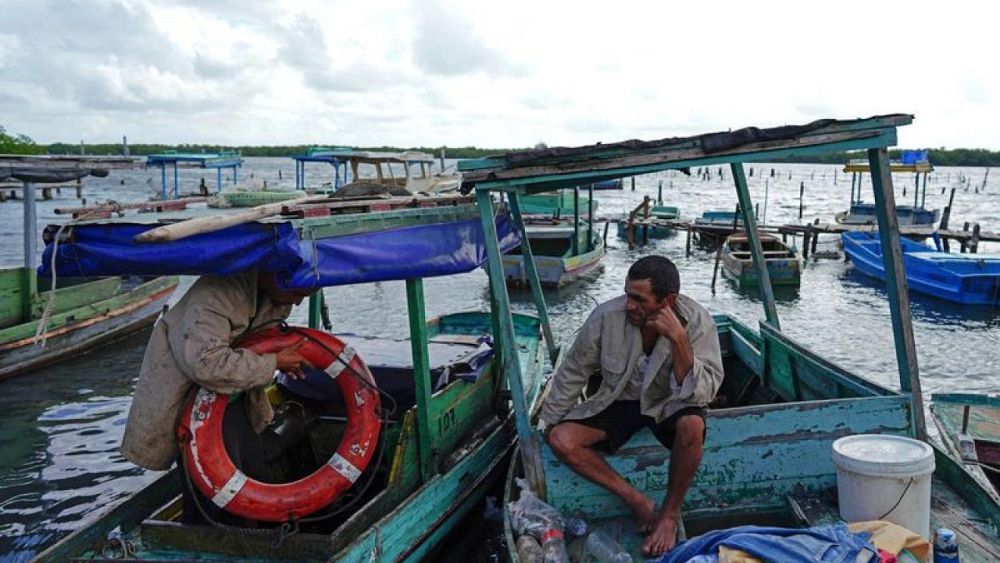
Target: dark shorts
(622,419)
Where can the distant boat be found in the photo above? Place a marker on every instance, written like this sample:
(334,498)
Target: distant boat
(408,170)
(556,204)
(253,198)
(968,279)
(646,228)
(861,213)
(559,262)
(783,264)
(717,224)
(615,184)
(970,428)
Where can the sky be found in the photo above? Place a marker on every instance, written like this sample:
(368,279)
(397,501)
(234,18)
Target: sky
(492,74)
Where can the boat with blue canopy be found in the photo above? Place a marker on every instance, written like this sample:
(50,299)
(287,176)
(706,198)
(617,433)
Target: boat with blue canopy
(967,279)
(768,456)
(446,417)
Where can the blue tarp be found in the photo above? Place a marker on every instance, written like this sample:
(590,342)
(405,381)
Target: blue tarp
(819,544)
(409,252)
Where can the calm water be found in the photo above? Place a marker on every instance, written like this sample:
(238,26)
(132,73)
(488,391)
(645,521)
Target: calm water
(60,427)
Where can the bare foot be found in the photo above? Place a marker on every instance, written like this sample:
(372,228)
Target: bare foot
(645,514)
(662,538)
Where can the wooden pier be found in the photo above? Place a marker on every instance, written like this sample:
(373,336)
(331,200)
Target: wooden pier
(968,238)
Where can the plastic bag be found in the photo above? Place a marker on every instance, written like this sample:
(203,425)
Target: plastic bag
(531,515)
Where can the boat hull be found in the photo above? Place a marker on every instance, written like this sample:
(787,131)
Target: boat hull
(967,279)
(114,319)
(554,271)
(864,214)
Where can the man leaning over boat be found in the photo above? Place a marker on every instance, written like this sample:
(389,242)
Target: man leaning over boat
(657,353)
(191,345)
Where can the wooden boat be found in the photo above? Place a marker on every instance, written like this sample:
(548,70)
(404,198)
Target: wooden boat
(768,454)
(253,198)
(716,225)
(409,170)
(82,313)
(967,279)
(861,213)
(648,221)
(970,428)
(615,184)
(783,263)
(442,445)
(559,260)
(558,204)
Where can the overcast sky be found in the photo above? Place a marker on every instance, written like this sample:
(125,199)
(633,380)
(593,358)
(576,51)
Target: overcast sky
(498,74)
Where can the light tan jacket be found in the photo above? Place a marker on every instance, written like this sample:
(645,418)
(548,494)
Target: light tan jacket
(609,343)
(190,345)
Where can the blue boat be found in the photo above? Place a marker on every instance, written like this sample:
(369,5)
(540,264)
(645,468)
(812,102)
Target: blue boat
(968,279)
(861,213)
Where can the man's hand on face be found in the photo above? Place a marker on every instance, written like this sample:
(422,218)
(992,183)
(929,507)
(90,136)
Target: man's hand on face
(290,361)
(666,323)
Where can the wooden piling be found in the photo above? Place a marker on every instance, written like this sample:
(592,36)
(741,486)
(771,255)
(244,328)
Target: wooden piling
(802,190)
(687,244)
(963,242)
(815,239)
(46,193)
(974,243)
(79,189)
(805,243)
(633,183)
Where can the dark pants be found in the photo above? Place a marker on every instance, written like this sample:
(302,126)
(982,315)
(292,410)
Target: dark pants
(247,452)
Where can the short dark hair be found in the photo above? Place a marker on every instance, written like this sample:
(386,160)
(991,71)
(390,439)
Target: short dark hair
(661,273)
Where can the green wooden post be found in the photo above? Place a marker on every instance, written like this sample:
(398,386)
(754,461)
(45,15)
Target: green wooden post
(30,285)
(421,375)
(750,224)
(530,453)
(315,309)
(895,277)
(590,217)
(576,220)
(533,282)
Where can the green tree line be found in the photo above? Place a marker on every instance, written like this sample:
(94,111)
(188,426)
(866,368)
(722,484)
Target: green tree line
(22,144)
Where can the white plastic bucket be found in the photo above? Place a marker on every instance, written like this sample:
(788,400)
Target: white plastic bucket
(885,478)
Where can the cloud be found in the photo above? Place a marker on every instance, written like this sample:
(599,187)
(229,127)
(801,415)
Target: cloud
(446,46)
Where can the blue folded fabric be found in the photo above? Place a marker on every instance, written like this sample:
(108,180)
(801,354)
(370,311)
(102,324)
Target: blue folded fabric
(822,544)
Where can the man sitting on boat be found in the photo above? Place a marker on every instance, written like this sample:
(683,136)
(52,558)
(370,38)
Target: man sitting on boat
(191,345)
(658,356)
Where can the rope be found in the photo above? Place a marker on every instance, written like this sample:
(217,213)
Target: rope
(899,500)
(43,322)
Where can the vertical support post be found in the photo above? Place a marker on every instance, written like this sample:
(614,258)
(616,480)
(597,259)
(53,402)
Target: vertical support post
(218,180)
(802,191)
(163,181)
(576,220)
(923,198)
(176,188)
(633,183)
(895,277)
(511,368)
(533,282)
(590,217)
(30,247)
(236,173)
(421,375)
(916,191)
(763,218)
(750,224)
(659,194)
(315,309)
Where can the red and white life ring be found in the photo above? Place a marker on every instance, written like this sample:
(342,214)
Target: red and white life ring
(212,470)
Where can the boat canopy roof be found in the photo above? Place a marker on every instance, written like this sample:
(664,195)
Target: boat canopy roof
(224,159)
(555,167)
(47,174)
(322,154)
(305,253)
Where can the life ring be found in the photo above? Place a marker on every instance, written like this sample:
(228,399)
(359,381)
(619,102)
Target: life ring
(213,472)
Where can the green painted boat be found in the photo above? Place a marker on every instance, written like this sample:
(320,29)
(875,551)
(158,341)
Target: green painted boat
(40,326)
(558,260)
(445,442)
(767,457)
(783,264)
(240,198)
(558,203)
(653,226)
(969,424)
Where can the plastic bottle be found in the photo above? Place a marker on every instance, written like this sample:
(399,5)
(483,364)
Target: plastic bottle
(605,549)
(945,546)
(528,549)
(554,547)
(577,527)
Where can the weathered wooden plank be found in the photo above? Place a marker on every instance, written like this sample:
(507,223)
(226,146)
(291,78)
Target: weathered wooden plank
(12,297)
(752,454)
